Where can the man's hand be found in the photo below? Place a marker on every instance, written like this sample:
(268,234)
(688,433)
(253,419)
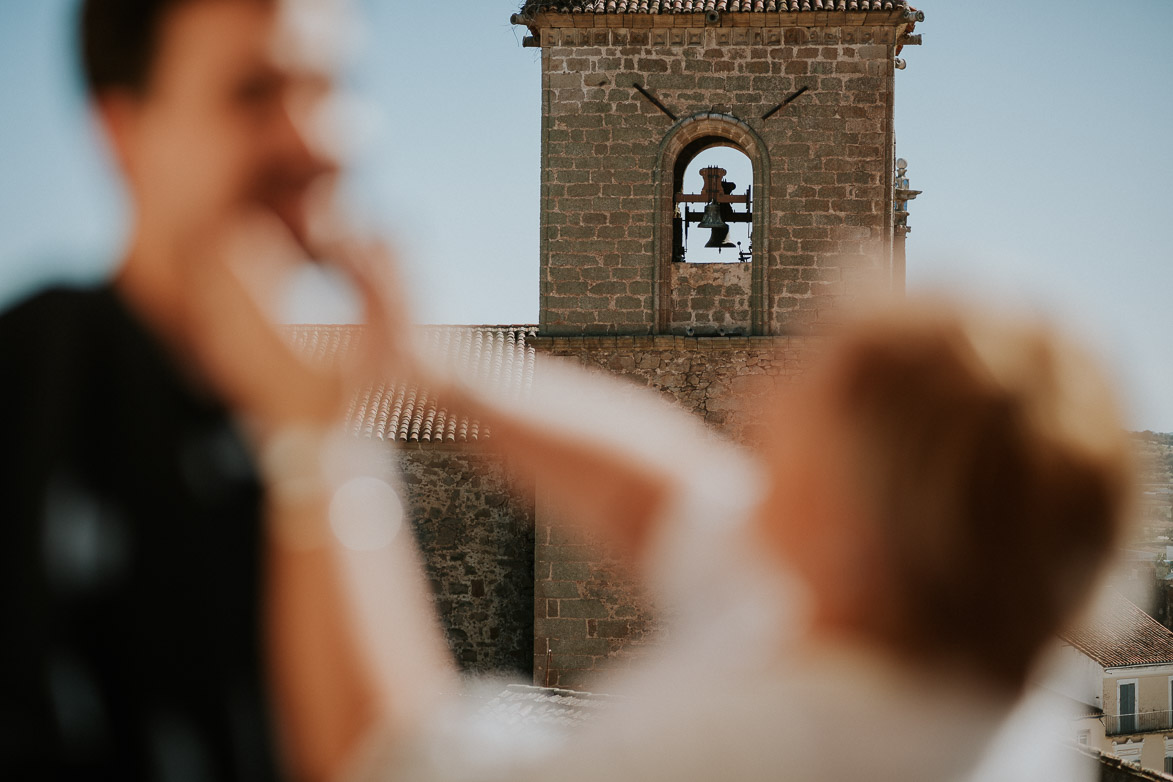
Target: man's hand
(236,287)
(353,641)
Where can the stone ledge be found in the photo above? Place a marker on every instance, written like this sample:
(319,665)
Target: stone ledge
(476,448)
(600,38)
(729,20)
(665,342)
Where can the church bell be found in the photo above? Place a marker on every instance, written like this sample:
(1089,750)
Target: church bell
(713,219)
(720,238)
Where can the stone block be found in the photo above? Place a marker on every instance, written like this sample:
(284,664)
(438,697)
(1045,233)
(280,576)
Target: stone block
(572,679)
(566,553)
(557,589)
(575,646)
(569,571)
(589,608)
(560,628)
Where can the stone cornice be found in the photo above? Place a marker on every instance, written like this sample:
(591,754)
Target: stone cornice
(547,20)
(660,37)
(546,344)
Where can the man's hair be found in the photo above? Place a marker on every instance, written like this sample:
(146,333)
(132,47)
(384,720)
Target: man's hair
(990,454)
(119,41)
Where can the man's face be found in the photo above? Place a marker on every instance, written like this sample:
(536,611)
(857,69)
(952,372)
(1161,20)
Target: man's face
(234,116)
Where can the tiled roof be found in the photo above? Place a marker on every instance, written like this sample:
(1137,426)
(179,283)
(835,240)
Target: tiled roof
(703,6)
(1121,634)
(520,704)
(495,355)
(1113,769)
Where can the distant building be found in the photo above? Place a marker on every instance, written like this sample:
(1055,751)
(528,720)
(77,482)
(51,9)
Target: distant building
(1113,769)
(1124,660)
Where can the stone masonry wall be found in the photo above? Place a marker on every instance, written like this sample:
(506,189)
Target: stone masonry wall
(724,380)
(477,540)
(824,165)
(590,614)
(510,582)
(710,298)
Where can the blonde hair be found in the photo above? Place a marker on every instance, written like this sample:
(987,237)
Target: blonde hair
(989,453)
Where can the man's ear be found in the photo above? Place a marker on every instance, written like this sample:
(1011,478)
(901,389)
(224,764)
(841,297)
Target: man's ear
(118,112)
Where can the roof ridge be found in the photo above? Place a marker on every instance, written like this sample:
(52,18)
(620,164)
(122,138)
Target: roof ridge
(1119,633)
(1147,619)
(705,6)
(499,356)
(312,330)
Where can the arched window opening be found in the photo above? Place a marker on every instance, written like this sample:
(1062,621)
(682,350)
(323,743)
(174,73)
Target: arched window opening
(713,203)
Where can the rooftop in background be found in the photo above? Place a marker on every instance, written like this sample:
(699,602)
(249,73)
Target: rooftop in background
(1120,634)
(1113,769)
(704,6)
(521,704)
(395,411)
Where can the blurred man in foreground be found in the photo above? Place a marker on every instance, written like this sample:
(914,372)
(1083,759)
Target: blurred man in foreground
(136,643)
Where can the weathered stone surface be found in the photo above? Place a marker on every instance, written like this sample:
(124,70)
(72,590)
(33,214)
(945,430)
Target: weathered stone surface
(600,616)
(824,162)
(476,536)
(710,298)
(593,613)
(723,380)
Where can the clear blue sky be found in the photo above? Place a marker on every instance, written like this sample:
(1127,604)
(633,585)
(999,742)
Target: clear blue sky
(1041,133)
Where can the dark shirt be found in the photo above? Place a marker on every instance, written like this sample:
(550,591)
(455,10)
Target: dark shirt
(130,558)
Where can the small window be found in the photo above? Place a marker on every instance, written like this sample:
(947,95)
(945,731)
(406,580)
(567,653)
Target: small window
(1082,737)
(1126,706)
(1169,764)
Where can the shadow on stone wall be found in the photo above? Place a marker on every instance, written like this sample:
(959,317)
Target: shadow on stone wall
(477,540)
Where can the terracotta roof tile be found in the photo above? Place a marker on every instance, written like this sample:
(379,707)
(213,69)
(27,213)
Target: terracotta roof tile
(1121,634)
(1112,767)
(703,6)
(495,355)
(520,704)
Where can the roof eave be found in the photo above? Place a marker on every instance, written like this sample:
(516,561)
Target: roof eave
(539,20)
(1109,668)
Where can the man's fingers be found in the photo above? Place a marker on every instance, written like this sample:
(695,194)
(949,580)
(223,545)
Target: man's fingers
(371,266)
(244,269)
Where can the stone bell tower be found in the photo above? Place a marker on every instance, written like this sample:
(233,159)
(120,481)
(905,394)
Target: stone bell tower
(634,90)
